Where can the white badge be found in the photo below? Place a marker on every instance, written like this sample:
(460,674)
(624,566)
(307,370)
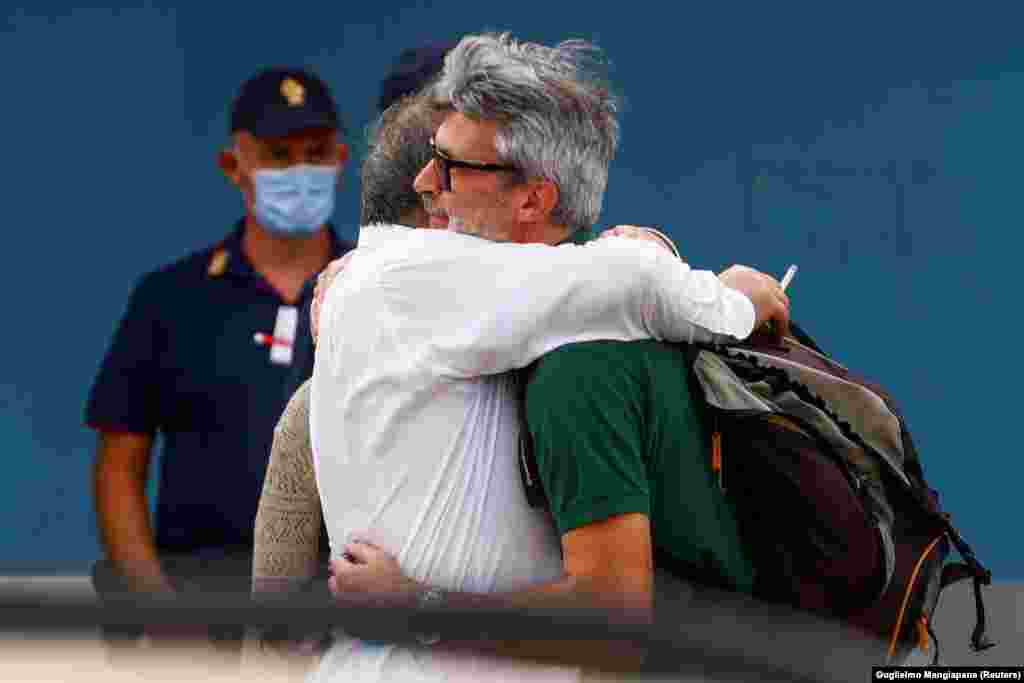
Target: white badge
(284,335)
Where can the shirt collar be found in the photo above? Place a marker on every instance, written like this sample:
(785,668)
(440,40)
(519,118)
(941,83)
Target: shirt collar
(580,236)
(228,257)
(382,233)
(376,234)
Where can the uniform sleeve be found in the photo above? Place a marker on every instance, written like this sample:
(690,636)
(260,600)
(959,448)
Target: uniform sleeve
(125,395)
(585,413)
(503,306)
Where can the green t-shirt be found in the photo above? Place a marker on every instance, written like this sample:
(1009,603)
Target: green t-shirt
(615,432)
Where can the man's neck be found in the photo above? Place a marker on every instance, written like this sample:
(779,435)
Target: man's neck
(285,263)
(546,233)
(267,251)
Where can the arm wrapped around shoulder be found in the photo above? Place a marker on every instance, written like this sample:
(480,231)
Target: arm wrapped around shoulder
(498,307)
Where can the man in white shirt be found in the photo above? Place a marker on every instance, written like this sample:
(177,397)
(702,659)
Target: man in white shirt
(414,429)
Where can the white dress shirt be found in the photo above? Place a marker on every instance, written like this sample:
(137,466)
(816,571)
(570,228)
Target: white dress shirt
(415,431)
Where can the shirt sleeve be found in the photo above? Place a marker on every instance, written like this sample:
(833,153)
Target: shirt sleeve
(502,306)
(287,529)
(586,416)
(124,396)
(666,240)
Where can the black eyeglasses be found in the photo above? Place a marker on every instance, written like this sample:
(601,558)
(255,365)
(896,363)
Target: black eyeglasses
(445,164)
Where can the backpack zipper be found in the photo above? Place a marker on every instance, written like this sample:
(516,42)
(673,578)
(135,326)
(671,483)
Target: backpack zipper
(716,458)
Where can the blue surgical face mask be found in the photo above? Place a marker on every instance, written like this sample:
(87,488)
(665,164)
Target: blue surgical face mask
(295,201)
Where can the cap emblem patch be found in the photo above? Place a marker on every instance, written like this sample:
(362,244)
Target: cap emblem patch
(293,92)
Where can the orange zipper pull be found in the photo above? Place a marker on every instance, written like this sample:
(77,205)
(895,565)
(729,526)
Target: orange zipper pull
(716,458)
(923,640)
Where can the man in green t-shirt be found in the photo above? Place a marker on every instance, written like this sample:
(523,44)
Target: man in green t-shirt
(615,435)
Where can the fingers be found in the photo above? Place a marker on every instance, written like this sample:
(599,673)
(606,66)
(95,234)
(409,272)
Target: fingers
(323,283)
(770,302)
(328,275)
(623,231)
(345,587)
(342,573)
(777,313)
(360,552)
(314,318)
(358,538)
(355,553)
(635,232)
(781,295)
(781,325)
(735,270)
(780,320)
(629,231)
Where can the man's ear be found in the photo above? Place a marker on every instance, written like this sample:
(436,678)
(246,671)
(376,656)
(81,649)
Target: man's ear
(228,163)
(541,200)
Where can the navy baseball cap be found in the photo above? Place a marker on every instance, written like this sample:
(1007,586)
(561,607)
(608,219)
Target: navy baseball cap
(413,69)
(283,100)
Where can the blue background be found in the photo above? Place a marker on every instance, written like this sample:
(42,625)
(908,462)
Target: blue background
(877,147)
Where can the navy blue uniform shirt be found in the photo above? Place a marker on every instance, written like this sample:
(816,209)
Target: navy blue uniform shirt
(184,363)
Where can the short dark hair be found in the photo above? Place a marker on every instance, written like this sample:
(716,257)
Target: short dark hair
(399,149)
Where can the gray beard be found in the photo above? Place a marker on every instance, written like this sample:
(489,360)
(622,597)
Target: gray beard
(460,226)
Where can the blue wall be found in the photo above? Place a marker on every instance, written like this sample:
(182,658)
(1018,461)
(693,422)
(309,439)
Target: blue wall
(879,149)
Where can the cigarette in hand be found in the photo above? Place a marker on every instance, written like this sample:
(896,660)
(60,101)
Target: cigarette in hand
(788,277)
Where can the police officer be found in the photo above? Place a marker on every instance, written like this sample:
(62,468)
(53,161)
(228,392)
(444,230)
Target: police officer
(205,348)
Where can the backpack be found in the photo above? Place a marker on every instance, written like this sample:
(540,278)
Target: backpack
(828,490)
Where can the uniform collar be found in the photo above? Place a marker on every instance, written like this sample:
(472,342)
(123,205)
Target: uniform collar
(228,257)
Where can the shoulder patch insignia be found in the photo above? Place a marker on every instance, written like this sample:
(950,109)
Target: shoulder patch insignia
(218,263)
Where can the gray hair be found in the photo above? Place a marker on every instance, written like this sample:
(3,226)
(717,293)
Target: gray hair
(399,149)
(555,112)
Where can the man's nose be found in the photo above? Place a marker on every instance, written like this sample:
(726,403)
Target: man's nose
(427,182)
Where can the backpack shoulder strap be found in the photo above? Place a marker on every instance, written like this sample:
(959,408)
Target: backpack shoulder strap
(801,336)
(529,473)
